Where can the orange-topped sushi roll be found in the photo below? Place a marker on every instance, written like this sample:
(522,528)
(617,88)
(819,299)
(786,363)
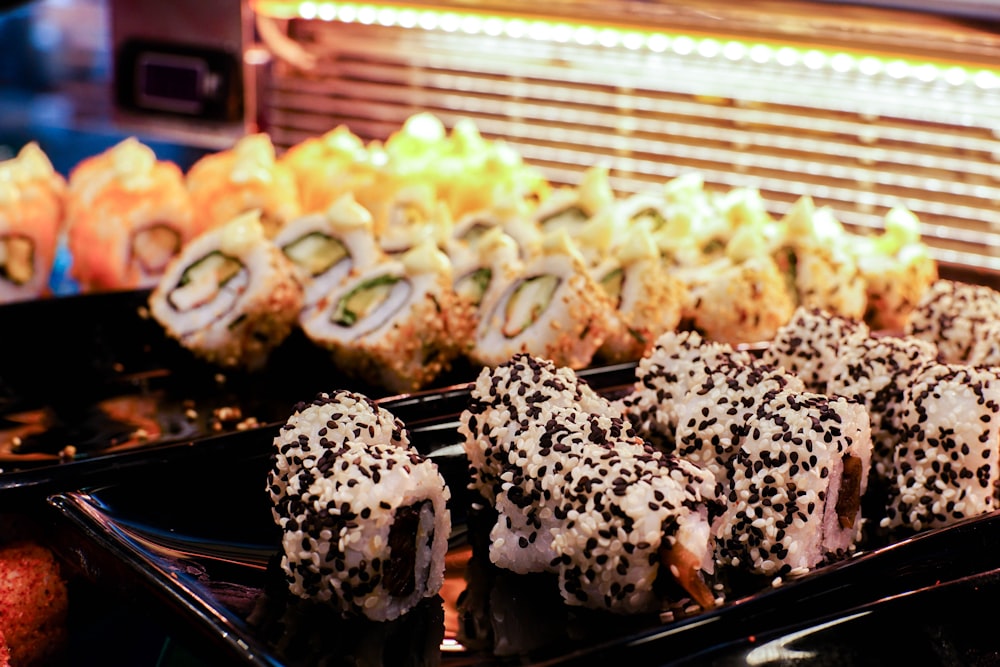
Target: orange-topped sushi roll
(31,216)
(246,177)
(329,166)
(128,215)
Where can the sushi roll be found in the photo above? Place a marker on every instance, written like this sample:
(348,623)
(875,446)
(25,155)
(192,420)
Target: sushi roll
(482,270)
(677,363)
(581,496)
(569,208)
(327,167)
(32,203)
(248,176)
(364,517)
(810,344)
(231,296)
(740,298)
(128,215)
(492,406)
(946,465)
(647,299)
(898,269)
(554,309)
(875,373)
(392,325)
(793,500)
(511,218)
(961,320)
(717,412)
(329,246)
(816,255)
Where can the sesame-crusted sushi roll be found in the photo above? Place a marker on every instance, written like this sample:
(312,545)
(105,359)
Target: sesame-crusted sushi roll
(810,344)
(718,411)
(392,325)
(898,269)
(742,301)
(508,396)
(946,465)
(677,362)
(128,215)
(482,270)
(554,309)
(364,518)
(328,246)
(816,254)
(958,318)
(245,177)
(231,296)
(32,202)
(795,487)
(579,495)
(510,217)
(875,373)
(647,299)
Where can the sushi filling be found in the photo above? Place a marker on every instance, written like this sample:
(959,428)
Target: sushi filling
(652,215)
(215,278)
(849,497)
(17,259)
(410,538)
(527,302)
(475,232)
(154,246)
(685,568)
(613,282)
(371,302)
(571,215)
(316,253)
(473,285)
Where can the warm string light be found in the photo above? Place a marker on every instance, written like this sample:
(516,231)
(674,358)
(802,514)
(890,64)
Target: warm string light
(565,32)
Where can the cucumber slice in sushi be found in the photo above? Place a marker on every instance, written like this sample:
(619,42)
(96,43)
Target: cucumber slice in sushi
(316,253)
(17,259)
(527,302)
(154,246)
(372,300)
(473,285)
(612,282)
(206,280)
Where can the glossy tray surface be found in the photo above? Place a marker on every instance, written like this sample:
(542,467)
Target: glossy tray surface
(91,385)
(197,535)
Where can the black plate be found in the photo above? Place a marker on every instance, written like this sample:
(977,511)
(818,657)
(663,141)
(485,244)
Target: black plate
(196,535)
(95,373)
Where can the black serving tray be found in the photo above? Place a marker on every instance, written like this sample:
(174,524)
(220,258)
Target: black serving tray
(195,535)
(91,387)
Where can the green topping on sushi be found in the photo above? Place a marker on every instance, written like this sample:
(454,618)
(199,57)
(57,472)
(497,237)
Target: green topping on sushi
(202,280)
(473,285)
(528,301)
(17,258)
(363,299)
(315,253)
(612,282)
(572,215)
(154,247)
(475,231)
(654,216)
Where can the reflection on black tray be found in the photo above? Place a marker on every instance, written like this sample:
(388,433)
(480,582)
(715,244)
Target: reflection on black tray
(197,535)
(91,376)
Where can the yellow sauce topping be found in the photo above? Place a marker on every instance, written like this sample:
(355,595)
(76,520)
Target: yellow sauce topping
(254,159)
(241,233)
(426,257)
(132,163)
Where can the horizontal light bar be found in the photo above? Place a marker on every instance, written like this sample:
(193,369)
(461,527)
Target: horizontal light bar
(610,36)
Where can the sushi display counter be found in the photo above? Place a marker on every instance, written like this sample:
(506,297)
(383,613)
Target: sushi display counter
(523,282)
